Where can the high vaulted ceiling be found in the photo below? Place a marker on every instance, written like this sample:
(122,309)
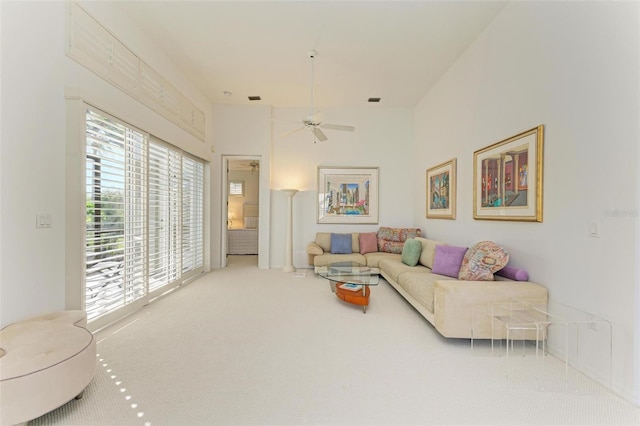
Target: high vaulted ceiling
(394,50)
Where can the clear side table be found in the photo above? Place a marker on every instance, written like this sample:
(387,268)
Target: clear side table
(575,337)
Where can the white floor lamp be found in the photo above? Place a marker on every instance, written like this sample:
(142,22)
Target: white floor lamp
(289,265)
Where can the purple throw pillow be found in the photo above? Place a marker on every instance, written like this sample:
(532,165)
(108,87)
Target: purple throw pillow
(512,273)
(447,260)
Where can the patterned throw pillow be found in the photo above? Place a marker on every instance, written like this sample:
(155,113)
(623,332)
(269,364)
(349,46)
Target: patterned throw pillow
(391,240)
(482,260)
(411,252)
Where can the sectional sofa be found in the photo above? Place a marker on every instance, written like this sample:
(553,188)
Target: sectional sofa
(457,308)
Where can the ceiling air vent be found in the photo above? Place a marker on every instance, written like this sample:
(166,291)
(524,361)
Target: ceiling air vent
(374,100)
(255,98)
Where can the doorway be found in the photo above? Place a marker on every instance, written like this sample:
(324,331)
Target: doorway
(241,208)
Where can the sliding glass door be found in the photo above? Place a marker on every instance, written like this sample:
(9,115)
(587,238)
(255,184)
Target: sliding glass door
(144,215)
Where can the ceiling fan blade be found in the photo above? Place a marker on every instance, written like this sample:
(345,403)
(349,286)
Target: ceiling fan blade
(338,127)
(290,132)
(318,134)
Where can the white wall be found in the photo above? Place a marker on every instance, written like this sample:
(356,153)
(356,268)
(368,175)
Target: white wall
(383,138)
(33,158)
(244,131)
(36,77)
(572,66)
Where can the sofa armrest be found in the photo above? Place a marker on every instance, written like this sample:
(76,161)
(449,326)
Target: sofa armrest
(456,302)
(314,249)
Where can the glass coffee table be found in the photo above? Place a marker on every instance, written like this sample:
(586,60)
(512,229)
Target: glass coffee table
(351,281)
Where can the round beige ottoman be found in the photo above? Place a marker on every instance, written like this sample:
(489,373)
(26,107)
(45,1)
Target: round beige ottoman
(44,363)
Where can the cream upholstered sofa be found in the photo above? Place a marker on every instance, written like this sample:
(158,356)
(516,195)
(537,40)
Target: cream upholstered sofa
(454,307)
(44,362)
(367,248)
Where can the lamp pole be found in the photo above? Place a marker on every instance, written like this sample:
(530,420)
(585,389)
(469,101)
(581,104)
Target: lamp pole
(289,254)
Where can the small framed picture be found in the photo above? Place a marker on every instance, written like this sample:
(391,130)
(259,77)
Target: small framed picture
(441,191)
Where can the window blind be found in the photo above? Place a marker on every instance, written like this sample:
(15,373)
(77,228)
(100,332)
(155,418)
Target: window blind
(165,245)
(144,215)
(192,214)
(115,176)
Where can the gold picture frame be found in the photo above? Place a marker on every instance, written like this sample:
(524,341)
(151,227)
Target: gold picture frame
(441,191)
(507,178)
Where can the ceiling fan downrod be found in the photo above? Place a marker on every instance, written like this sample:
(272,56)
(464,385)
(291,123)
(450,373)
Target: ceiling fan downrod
(312,54)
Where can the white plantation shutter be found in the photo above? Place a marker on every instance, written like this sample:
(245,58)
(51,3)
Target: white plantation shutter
(115,176)
(165,212)
(136,216)
(93,46)
(144,215)
(96,48)
(159,94)
(192,215)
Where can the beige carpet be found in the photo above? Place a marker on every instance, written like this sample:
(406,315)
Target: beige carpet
(243,346)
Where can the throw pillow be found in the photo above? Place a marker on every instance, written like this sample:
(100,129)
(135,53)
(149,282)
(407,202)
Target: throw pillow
(368,242)
(341,243)
(482,260)
(398,234)
(428,251)
(447,260)
(515,274)
(387,246)
(411,252)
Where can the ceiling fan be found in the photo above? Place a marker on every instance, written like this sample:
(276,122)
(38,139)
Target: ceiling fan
(312,121)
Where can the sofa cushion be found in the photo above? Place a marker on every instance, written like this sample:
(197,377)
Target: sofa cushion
(393,267)
(368,242)
(391,240)
(420,285)
(428,250)
(447,260)
(373,259)
(328,258)
(323,239)
(398,234)
(341,244)
(482,260)
(411,252)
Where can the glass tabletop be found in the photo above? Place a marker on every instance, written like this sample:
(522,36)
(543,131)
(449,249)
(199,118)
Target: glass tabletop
(349,273)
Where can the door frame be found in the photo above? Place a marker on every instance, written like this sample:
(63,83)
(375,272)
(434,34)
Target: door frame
(224,205)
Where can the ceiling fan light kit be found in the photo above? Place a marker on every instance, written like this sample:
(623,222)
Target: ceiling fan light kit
(311,123)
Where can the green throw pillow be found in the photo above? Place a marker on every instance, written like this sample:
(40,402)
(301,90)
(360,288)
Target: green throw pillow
(411,252)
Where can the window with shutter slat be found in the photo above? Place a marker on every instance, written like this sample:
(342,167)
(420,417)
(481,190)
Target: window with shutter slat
(96,48)
(144,215)
(114,266)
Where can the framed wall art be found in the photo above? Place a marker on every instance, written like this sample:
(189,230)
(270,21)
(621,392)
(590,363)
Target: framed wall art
(507,178)
(441,191)
(348,195)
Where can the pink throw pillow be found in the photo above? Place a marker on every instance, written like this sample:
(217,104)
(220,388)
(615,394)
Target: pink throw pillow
(368,242)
